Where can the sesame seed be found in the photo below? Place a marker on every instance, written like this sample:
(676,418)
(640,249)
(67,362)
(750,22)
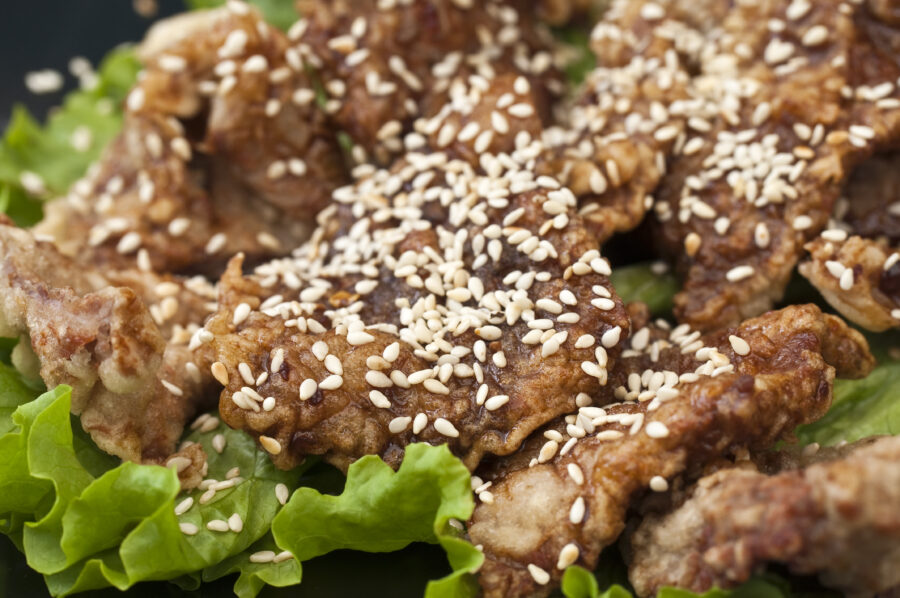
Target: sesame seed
(308,388)
(576,512)
(656,429)
(815,35)
(218,443)
(802,222)
(435,386)
(282,493)
(270,445)
(282,556)
(658,484)
(334,382)
(575,473)
(567,556)
(740,346)
(184,506)
(611,337)
(241,313)
(217,525)
(188,529)
(496,402)
(846,280)
(378,379)
(540,576)
(445,428)
(263,556)
(419,423)
(548,451)
(334,365)
(399,424)
(235,523)
(739,273)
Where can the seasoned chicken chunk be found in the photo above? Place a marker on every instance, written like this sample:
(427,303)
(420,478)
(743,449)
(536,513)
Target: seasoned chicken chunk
(222,150)
(389,68)
(435,303)
(133,390)
(686,401)
(837,519)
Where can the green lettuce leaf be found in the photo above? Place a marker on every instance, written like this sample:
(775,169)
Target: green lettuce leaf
(48,150)
(641,283)
(119,527)
(280,13)
(381,510)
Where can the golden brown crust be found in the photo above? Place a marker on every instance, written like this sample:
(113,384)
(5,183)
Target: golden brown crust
(538,507)
(837,519)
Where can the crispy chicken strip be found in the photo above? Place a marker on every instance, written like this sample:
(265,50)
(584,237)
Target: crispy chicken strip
(390,67)
(223,150)
(133,390)
(794,94)
(435,303)
(854,263)
(564,497)
(837,519)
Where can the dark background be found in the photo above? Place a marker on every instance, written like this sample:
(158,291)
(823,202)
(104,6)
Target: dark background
(41,34)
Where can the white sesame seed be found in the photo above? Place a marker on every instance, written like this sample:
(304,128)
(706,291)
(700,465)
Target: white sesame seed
(834,235)
(379,399)
(217,525)
(496,402)
(263,556)
(188,529)
(548,451)
(445,428)
(540,576)
(658,484)
(488,333)
(846,281)
(575,473)
(419,423)
(576,512)
(282,493)
(399,424)
(802,222)
(333,382)
(268,404)
(184,506)
(241,312)
(611,337)
(435,386)
(740,346)
(235,523)
(656,429)
(218,443)
(739,273)
(334,365)
(584,341)
(815,35)
(308,388)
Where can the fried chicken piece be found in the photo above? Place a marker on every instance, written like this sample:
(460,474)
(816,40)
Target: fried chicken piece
(560,501)
(389,66)
(222,150)
(787,112)
(854,264)
(837,519)
(435,303)
(561,12)
(132,389)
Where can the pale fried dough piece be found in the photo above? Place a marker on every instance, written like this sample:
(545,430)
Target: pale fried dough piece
(385,67)
(787,113)
(450,314)
(837,519)
(551,507)
(132,390)
(215,156)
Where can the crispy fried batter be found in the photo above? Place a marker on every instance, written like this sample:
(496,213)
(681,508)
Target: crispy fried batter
(787,110)
(481,282)
(385,66)
(215,156)
(550,507)
(869,294)
(838,519)
(133,391)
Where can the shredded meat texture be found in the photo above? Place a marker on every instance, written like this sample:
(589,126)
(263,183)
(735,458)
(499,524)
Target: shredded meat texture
(470,326)
(221,151)
(390,69)
(854,264)
(132,390)
(550,507)
(837,519)
(777,119)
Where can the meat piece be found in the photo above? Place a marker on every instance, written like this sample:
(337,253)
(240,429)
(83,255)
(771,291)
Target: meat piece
(222,150)
(564,497)
(561,12)
(133,390)
(455,305)
(385,65)
(837,519)
(780,117)
(859,275)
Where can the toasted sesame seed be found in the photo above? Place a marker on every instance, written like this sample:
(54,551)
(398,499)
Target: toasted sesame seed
(270,445)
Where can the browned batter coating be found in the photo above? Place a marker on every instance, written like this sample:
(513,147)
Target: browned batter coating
(223,150)
(388,67)
(455,305)
(133,390)
(855,264)
(564,497)
(794,95)
(837,519)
